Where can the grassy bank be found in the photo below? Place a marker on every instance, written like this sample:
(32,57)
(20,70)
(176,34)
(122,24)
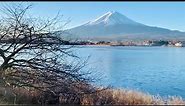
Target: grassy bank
(104,97)
(128,97)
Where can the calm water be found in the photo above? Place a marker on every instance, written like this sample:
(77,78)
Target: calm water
(157,70)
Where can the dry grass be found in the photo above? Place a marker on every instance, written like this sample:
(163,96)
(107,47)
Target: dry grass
(105,97)
(128,97)
(18,96)
(175,100)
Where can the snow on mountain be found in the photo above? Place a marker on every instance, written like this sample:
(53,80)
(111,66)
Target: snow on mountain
(112,18)
(114,25)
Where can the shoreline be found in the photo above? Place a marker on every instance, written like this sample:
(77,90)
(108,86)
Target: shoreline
(128,45)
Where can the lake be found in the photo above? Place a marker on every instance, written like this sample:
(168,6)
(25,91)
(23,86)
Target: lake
(156,70)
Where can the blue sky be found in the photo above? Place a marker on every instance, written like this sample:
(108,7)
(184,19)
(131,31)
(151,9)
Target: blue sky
(169,15)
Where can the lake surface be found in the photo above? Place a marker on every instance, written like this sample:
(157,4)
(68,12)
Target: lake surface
(156,70)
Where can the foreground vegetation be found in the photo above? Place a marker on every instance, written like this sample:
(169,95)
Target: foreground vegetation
(102,97)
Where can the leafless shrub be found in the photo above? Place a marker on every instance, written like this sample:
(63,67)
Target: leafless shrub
(34,56)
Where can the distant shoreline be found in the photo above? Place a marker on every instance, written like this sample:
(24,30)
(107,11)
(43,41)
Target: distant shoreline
(147,43)
(126,45)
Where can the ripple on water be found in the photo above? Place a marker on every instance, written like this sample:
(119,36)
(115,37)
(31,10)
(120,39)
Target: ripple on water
(177,89)
(157,70)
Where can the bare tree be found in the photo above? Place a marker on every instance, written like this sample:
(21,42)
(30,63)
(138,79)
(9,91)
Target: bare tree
(33,55)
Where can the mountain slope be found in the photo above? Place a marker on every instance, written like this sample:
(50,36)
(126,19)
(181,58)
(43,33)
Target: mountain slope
(113,25)
(112,18)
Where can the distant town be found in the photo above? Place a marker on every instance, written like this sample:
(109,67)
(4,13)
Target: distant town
(171,43)
(133,43)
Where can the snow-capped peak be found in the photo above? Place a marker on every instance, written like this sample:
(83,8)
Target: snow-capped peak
(111,18)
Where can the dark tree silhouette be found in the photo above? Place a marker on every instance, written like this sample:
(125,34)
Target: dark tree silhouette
(33,54)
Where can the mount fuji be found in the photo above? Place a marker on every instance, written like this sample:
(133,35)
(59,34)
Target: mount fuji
(115,26)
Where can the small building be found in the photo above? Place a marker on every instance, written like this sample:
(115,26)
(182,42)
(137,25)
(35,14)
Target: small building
(178,44)
(147,43)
